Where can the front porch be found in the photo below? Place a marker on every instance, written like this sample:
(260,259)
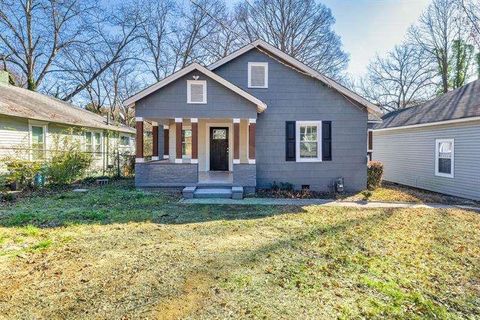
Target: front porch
(192,152)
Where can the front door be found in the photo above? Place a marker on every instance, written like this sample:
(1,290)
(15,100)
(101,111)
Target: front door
(219,149)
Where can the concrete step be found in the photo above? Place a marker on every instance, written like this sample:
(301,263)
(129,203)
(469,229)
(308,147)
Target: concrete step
(213,193)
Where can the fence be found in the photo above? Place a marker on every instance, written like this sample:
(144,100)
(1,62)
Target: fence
(117,162)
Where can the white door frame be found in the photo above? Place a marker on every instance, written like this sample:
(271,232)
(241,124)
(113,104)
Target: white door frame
(230,139)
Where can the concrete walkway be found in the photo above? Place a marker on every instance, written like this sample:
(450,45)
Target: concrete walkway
(325,203)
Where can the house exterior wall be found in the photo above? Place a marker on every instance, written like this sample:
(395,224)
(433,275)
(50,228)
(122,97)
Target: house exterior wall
(171,102)
(15,139)
(408,156)
(292,96)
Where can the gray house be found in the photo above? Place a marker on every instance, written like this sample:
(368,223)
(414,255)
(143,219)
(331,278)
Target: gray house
(434,146)
(255,117)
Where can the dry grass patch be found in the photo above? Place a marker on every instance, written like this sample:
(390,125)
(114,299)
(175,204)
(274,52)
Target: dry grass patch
(120,253)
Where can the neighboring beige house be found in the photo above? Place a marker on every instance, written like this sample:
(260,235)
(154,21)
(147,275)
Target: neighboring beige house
(33,125)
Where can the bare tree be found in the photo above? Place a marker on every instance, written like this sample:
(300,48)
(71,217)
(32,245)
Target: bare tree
(195,25)
(34,32)
(228,39)
(155,34)
(114,40)
(402,79)
(439,25)
(303,29)
(472,11)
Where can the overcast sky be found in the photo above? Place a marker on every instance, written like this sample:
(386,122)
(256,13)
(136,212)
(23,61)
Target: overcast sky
(372,26)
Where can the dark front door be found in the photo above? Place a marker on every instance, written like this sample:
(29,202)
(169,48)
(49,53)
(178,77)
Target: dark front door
(219,149)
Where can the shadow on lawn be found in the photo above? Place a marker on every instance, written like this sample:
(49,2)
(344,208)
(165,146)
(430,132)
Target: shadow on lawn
(123,204)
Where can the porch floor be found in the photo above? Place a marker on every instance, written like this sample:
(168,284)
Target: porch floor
(215,177)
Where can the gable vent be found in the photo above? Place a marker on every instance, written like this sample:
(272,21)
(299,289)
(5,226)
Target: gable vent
(197,91)
(258,75)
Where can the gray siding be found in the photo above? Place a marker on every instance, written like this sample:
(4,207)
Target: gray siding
(171,102)
(409,158)
(294,96)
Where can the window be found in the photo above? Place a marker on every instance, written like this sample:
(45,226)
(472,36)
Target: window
(37,142)
(196,91)
(308,136)
(93,143)
(444,157)
(124,141)
(258,75)
(187,143)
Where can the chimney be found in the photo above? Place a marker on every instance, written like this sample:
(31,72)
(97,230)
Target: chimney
(4,77)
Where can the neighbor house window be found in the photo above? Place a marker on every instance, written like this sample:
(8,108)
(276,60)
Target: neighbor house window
(308,137)
(124,141)
(187,143)
(196,91)
(37,142)
(93,143)
(444,157)
(258,75)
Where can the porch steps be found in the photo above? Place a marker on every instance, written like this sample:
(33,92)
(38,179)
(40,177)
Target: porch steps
(219,192)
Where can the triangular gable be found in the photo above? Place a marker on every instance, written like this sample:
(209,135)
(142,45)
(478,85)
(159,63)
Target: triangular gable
(261,106)
(259,44)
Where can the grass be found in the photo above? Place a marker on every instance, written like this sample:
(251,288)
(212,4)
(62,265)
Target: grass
(391,192)
(119,253)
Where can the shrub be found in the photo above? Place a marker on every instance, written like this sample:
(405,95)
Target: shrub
(375,174)
(22,172)
(65,167)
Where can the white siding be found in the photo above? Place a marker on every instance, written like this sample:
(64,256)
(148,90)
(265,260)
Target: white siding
(13,133)
(409,158)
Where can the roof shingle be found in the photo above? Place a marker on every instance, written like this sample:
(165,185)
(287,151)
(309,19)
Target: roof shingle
(19,102)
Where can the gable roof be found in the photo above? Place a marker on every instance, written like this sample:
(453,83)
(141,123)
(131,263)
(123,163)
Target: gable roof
(261,106)
(23,103)
(461,104)
(302,67)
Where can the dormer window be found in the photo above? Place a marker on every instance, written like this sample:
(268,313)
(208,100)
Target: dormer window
(196,91)
(258,75)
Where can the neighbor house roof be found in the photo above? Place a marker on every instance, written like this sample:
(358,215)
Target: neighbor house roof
(260,44)
(261,106)
(462,104)
(19,102)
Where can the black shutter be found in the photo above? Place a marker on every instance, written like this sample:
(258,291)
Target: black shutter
(327,140)
(290,141)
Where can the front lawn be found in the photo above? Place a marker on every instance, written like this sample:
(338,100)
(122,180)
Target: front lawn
(119,253)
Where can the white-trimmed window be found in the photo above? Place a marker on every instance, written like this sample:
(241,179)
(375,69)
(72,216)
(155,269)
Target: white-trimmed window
(308,139)
(124,141)
(258,74)
(197,91)
(38,141)
(444,157)
(94,143)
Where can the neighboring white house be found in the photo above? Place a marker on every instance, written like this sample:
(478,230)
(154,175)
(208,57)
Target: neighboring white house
(434,146)
(32,125)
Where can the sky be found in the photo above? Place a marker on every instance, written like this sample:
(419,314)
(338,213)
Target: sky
(368,27)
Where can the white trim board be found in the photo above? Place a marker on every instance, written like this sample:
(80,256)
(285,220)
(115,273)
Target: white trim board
(299,65)
(261,106)
(437,123)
